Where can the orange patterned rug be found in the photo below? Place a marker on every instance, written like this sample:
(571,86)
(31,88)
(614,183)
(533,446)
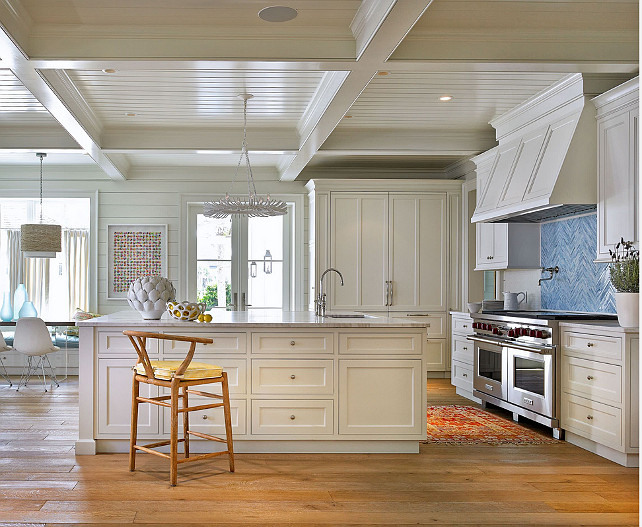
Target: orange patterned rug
(466,425)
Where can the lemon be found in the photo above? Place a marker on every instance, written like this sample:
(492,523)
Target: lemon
(201,318)
(208,317)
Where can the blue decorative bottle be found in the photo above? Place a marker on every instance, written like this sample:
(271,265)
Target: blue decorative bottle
(19,298)
(6,313)
(28,310)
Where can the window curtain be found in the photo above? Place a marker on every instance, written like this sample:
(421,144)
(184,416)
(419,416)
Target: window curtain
(75,248)
(15,259)
(36,273)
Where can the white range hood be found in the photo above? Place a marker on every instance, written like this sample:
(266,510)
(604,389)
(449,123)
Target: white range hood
(546,163)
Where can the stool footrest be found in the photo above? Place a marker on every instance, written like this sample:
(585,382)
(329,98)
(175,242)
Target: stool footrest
(151,451)
(202,456)
(205,394)
(201,407)
(206,436)
(160,443)
(155,400)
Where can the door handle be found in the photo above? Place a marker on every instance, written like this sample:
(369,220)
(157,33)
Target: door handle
(387,292)
(391,292)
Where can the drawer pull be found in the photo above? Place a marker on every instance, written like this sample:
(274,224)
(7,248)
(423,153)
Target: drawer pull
(293,376)
(464,375)
(465,325)
(589,344)
(589,417)
(465,348)
(488,387)
(292,417)
(204,416)
(292,343)
(589,377)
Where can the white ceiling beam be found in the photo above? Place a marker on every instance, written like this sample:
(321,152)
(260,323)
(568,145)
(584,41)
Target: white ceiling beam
(395,24)
(15,59)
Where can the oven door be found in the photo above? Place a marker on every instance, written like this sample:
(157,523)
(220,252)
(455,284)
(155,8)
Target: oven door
(489,374)
(531,379)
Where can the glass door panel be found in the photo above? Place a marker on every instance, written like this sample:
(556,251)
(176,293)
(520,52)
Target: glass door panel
(214,261)
(265,262)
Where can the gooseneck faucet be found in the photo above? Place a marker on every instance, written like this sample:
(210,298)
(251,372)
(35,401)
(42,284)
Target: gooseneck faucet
(320,300)
(552,270)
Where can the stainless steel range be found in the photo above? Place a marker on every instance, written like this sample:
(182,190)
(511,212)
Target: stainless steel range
(516,361)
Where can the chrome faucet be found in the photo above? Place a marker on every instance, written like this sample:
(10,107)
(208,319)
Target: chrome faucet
(319,302)
(552,270)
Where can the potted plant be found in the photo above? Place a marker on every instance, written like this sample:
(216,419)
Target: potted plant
(625,277)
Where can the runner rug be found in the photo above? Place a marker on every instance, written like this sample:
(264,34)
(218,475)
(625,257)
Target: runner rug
(466,425)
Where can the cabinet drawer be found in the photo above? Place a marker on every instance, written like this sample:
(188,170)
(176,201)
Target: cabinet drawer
(436,326)
(436,355)
(598,422)
(292,417)
(592,346)
(114,343)
(595,380)
(463,326)
(292,376)
(292,343)
(461,375)
(372,343)
(462,349)
(211,421)
(224,343)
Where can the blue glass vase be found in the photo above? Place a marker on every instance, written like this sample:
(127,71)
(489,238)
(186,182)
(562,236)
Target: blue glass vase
(19,298)
(6,313)
(28,310)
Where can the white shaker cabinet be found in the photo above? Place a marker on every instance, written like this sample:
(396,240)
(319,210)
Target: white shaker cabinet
(618,177)
(508,246)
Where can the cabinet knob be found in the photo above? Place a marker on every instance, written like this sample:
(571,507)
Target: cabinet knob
(589,417)
(492,257)
(204,416)
(465,348)
(292,417)
(293,376)
(589,377)
(292,343)
(589,344)
(465,325)
(464,375)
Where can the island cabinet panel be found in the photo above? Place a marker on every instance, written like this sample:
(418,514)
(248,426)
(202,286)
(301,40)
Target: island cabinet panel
(437,356)
(114,344)
(381,397)
(292,342)
(224,343)
(292,417)
(115,400)
(212,421)
(292,376)
(374,343)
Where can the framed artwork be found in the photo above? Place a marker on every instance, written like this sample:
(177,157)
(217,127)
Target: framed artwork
(134,251)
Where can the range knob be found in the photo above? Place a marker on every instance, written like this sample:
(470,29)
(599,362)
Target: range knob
(475,325)
(539,334)
(495,330)
(532,333)
(511,332)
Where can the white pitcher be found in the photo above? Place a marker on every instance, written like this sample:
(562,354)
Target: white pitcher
(512,302)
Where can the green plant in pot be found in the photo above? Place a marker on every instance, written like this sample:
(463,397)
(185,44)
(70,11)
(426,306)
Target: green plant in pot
(625,277)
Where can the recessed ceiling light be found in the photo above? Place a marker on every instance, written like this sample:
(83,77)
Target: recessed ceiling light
(347,116)
(446,98)
(278,13)
(383,73)
(131,114)
(109,70)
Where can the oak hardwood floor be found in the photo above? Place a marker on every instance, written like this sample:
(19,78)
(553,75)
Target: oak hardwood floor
(42,482)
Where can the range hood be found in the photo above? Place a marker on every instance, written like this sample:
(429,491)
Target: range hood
(545,166)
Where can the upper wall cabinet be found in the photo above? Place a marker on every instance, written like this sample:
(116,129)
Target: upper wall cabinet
(508,246)
(618,177)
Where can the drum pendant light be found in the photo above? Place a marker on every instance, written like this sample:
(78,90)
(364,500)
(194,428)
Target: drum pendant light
(40,240)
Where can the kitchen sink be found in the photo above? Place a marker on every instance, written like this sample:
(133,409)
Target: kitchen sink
(345,315)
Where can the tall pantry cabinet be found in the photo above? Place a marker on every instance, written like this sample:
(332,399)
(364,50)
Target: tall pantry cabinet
(392,242)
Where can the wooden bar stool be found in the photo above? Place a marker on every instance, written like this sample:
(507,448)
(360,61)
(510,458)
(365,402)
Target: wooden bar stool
(177,376)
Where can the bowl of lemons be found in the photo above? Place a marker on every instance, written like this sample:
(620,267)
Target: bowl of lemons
(187,310)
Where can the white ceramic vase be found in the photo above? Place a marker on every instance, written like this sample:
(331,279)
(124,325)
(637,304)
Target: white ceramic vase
(149,295)
(628,309)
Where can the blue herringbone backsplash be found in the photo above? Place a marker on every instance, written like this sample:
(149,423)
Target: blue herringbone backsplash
(581,284)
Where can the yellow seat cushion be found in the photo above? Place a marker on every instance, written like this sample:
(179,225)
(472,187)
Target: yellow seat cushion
(164,369)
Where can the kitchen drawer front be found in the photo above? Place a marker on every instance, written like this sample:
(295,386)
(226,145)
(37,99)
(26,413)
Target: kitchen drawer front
(292,343)
(236,370)
(372,343)
(462,349)
(211,421)
(462,375)
(592,346)
(224,343)
(295,417)
(437,355)
(436,326)
(462,325)
(271,376)
(596,421)
(114,343)
(595,380)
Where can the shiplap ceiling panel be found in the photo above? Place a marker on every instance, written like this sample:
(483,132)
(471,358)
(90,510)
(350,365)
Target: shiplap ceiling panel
(196,98)
(17,105)
(203,160)
(412,162)
(411,100)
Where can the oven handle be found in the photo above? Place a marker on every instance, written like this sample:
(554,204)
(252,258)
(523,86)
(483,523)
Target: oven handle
(548,350)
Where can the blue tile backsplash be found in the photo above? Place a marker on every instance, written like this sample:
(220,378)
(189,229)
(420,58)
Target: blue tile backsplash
(581,284)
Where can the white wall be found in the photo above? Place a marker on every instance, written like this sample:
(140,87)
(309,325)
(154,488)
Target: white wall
(515,281)
(152,196)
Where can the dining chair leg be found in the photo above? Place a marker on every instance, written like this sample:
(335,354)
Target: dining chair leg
(186,421)
(228,421)
(52,372)
(173,444)
(44,377)
(30,370)
(134,425)
(23,374)
(4,373)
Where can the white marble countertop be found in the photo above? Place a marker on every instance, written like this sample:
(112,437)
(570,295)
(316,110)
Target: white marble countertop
(611,325)
(264,318)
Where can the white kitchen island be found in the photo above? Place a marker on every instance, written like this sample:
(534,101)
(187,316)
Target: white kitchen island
(298,382)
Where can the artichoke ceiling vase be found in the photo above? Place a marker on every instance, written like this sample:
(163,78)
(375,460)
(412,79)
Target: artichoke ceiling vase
(149,295)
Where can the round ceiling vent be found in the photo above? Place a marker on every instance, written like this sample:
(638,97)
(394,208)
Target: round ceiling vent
(278,13)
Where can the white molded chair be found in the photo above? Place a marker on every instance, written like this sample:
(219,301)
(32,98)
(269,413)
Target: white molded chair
(32,339)
(4,347)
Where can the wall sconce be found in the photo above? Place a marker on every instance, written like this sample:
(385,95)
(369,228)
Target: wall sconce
(267,262)
(253,269)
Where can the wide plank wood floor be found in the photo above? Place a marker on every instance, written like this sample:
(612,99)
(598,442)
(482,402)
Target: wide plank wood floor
(43,483)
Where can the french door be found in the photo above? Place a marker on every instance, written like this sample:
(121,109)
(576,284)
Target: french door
(241,263)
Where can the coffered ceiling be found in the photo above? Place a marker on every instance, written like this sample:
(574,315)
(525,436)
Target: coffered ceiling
(348,88)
